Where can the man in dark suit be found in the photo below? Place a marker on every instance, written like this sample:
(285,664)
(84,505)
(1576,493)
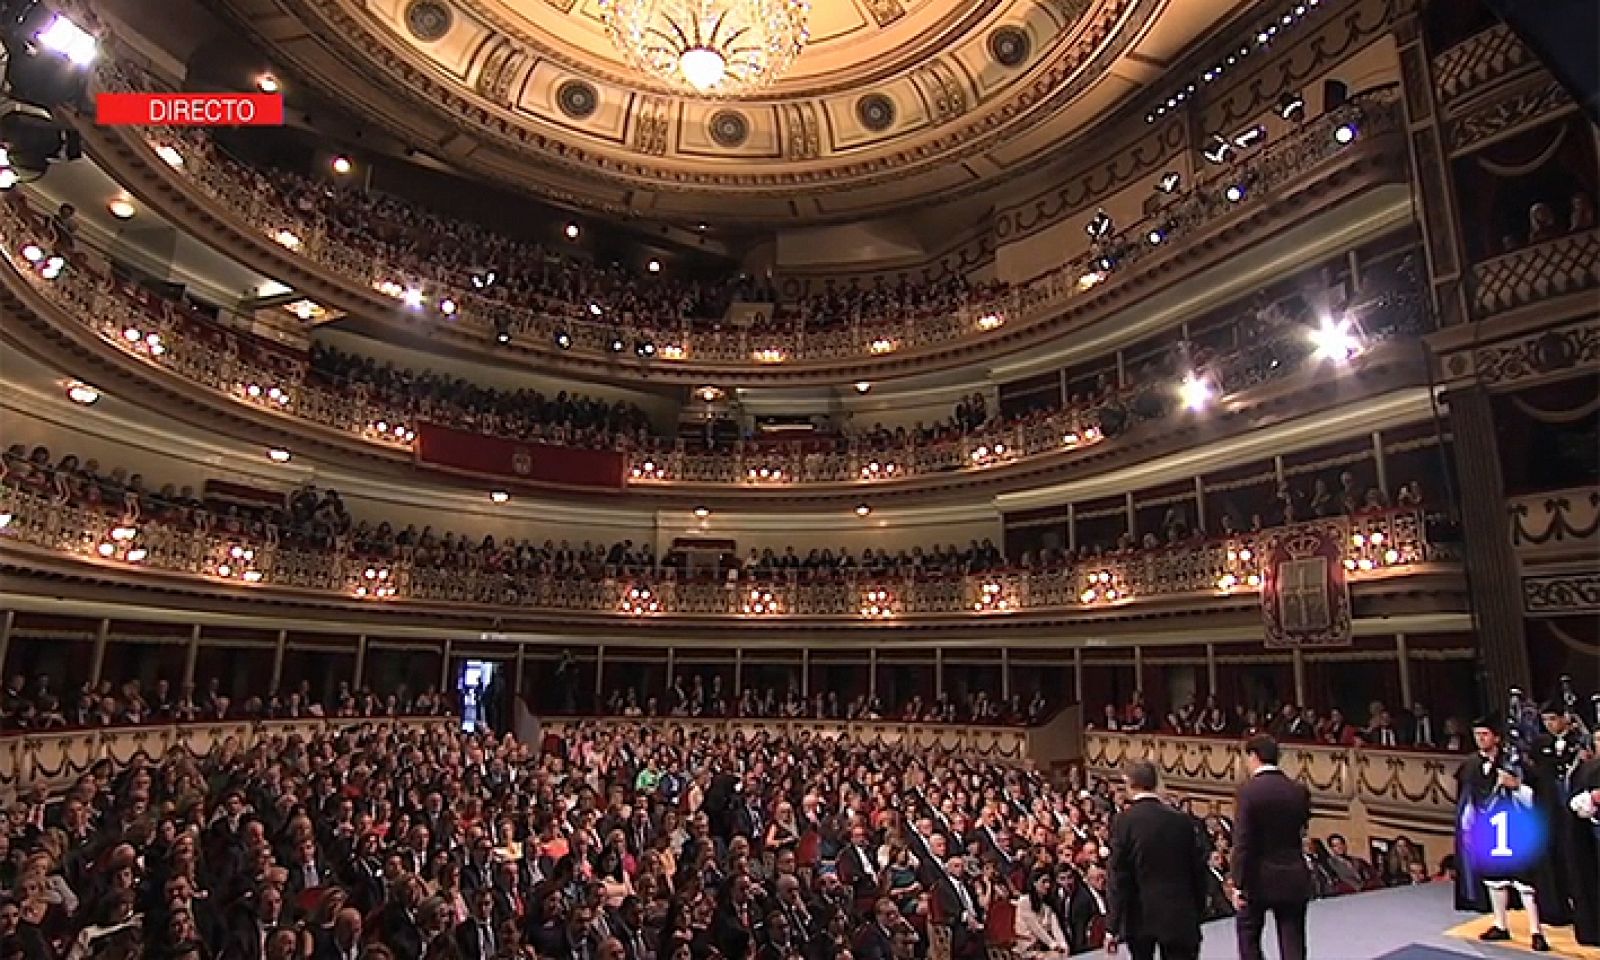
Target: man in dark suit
(476,938)
(1158,878)
(1269,873)
(344,941)
(961,910)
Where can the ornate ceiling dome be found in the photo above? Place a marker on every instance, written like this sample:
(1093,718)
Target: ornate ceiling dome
(888,102)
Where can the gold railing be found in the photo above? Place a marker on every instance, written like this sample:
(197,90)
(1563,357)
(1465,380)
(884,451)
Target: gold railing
(53,759)
(257,207)
(1378,544)
(1415,786)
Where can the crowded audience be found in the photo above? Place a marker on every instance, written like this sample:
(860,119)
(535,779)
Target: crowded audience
(1415,727)
(34,704)
(634,843)
(701,697)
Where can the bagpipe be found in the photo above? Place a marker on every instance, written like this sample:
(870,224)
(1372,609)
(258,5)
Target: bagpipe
(1522,726)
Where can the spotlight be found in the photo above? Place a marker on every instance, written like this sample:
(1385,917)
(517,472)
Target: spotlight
(68,39)
(1100,227)
(279,455)
(1234,193)
(1156,235)
(121,208)
(267,83)
(483,280)
(412,297)
(563,340)
(447,307)
(502,337)
(1335,341)
(499,496)
(1344,133)
(862,386)
(1196,393)
(1217,149)
(594,309)
(702,512)
(1103,263)
(645,349)
(80,392)
(862,510)
(654,266)
(1292,106)
(170,155)
(342,165)
(572,231)
(1170,181)
(1250,137)
(616,345)
(32,253)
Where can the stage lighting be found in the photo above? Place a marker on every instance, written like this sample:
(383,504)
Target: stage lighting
(1170,181)
(563,340)
(1234,193)
(80,392)
(654,266)
(1104,263)
(572,231)
(645,349)
(1344,133)
(66,38)
(617,344)
(1217,150)
(1195,392)
(122,208)
(1292,106)
(1335,341)
(342,165)
(594,309)
(499,496)
(1100,227)
(862,510)
(483,279)
(448,307)
(1250,137)
(702,512)
(1156,235)
(267,83)
(279,455)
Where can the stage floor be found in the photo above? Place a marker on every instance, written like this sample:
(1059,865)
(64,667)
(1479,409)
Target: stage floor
(1405,923)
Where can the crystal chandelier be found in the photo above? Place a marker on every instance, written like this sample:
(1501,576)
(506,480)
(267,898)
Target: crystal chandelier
(708,48)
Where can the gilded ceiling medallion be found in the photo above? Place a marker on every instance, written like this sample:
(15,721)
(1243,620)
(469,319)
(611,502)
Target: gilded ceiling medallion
(876,112)
(428,20)
(708,48)
(729,128)
(577,99)
(1010,46)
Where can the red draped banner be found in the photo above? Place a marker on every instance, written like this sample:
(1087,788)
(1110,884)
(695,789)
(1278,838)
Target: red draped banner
(461,452)
(1305,598)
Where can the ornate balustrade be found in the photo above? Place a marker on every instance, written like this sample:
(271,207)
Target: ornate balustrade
(1379,544)
(1541,271)
(1279,167)
(1479,61)
(1411,787)
(55,758)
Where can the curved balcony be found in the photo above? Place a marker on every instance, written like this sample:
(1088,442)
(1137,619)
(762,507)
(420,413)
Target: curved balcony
(54,759)
(1410,789)
(226,204)
(270,381)
(37,531)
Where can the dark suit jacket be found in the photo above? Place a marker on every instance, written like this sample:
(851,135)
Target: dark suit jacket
(874,944)
(1270,817)
(1157,875)
(853,873)
(468,936)
(1081,915)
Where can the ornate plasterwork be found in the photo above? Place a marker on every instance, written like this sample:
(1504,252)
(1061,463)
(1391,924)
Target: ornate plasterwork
(1561,594)
(1477,62)
(496,79)
(1538,356)
(1515,108)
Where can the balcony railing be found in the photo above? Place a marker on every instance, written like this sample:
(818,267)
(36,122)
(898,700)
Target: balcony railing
(1557,521)
(1402,785)
(212,355)
(54,759)
(1379,544)
(1274,169)
(1540,271)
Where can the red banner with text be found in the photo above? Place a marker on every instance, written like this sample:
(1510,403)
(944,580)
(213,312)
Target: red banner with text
(458,451)
(1305,598)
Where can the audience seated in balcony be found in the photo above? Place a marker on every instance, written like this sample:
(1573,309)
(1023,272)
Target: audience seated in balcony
(395,843)
(700,698)
(34,705)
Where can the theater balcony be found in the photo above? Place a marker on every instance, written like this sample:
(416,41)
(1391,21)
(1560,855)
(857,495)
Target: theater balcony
(1320,187)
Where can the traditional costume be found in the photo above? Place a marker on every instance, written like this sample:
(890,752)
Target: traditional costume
(1484,792)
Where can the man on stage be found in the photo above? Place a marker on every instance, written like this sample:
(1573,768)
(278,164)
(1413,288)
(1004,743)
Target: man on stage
(1488,787)
(1158,875)
(1584,854)
(1271,813)
(1556,754)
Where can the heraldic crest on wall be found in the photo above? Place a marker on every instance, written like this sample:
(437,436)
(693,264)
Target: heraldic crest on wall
(1305,597)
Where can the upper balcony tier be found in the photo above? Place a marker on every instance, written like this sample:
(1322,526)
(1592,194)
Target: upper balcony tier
(1391,556)
(1324,164)
(111,332)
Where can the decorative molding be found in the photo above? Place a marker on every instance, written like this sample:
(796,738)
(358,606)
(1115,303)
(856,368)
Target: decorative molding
(1561,594)
(729,128)
(876,112)
(428,20)
(1516,109)
(501,66)
(577,99)
(1555,522)
(804,131)
(1010,46)
(885,12)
